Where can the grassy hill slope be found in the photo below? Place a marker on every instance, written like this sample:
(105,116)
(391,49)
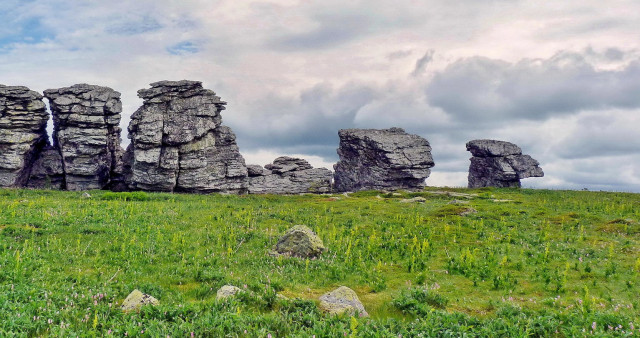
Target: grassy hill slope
(529,262)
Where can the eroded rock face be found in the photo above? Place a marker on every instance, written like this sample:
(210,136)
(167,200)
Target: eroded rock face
(178,144)
(23,122)
(499,164)
(47,171)
(288,175)
(387,159)
(86,132)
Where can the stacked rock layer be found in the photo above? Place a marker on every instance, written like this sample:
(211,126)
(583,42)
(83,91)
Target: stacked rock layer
(387,159)
(499,164)
(288,175)
(86,134)
(177,143)
(23,122)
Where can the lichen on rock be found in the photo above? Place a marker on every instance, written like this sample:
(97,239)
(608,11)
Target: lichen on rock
(342,300)
(136,299)
(300,241)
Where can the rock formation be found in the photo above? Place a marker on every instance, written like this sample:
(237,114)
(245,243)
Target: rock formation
(86,133)
(499,164)
(23,122)
(387,159)
(177,143)
(300,241)
(288,175)
(342,300)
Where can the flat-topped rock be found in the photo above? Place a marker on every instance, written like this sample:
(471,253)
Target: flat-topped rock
(23,122)
(382,159)
(136,299)
(499,164)
(288,175)
(178,143)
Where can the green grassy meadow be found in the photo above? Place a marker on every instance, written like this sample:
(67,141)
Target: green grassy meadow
(528,263)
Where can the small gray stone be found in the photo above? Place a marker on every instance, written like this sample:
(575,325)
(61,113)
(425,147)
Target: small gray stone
(414,200)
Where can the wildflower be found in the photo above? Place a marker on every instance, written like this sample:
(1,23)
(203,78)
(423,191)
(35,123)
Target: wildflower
(593,326)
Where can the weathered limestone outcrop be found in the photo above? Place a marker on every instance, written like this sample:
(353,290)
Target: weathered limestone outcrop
(499,164)
(387,159)
(178,144)
(288,175)
(23,123)
(86,132)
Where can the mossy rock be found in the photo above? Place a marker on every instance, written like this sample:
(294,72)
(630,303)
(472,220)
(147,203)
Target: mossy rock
(227,291)
(136,299)
(300,241)
(342,300)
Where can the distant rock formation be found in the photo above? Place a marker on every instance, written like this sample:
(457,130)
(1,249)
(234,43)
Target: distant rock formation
(86,132)
(177,143)
(23,123)
(387,159)
(288,175)
(499,164)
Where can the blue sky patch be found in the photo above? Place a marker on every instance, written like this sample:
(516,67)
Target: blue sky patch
(182,48)
(132,27)
(28,31)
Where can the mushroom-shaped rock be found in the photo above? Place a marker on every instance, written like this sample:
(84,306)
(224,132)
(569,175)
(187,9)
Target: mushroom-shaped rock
(227,291)
(387,159)
(136,299)
(342,300)
(300,241)
(499,164)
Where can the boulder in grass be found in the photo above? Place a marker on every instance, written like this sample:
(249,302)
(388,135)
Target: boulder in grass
(136,299)
(300,241)
(342,300)
(227,291)
(414,200)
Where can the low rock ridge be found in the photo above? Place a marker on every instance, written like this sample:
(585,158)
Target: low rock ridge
(499,164)
(288,175)
(381,159)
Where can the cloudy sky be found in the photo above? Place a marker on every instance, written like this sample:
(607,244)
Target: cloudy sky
(559,78)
